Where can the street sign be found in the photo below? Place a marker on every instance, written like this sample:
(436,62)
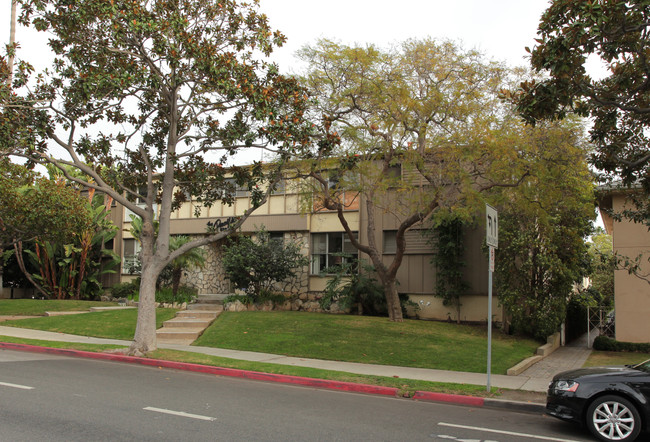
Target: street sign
(491,259)
(491,226)
(492,240)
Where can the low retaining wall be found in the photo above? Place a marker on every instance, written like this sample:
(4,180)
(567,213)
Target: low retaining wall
(552,344)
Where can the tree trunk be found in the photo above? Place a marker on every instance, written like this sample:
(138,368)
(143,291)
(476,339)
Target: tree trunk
(144,340)
(392,301)
(18,248)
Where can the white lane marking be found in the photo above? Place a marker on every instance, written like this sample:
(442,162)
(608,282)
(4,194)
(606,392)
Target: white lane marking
(22,387)
(509,433)
(180,413)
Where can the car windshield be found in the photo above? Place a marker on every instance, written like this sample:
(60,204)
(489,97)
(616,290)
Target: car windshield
(645,366)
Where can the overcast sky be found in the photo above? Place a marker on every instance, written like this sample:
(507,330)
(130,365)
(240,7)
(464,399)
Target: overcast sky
(499,28)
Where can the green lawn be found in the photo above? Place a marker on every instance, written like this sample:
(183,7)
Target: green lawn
(366,339)
(406,385)
(598,358)
(38,307)
(112,324)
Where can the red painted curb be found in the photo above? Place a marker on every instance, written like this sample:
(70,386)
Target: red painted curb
(254,375)
(220,371)
(446,397)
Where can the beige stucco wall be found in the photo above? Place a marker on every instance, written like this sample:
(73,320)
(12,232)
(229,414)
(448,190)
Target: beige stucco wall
(473,309)
(632,294)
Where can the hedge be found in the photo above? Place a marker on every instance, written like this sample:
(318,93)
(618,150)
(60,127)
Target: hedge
(604,343)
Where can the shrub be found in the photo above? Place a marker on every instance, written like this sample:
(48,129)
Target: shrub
(350,287)
(124,290)
(255,265)
(605,343)
(185,294)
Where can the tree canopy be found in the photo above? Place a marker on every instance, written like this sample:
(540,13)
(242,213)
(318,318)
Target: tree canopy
(421,129)
(151,100)
(542,229)
(614,33)
(32,206)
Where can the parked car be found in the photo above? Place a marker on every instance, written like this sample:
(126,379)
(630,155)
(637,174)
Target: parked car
(613,402)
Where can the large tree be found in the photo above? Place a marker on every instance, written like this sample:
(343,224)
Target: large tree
(542,229)
(422,129)
(150,100)
(613,33)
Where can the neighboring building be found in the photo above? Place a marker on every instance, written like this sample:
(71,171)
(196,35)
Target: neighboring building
(322,237)
(631,293)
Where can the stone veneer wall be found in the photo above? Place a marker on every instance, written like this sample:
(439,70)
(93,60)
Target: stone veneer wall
(300,282)
(212,278)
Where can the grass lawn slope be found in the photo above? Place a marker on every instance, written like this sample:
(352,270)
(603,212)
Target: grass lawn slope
(112,324)
(38,307)
(365,339)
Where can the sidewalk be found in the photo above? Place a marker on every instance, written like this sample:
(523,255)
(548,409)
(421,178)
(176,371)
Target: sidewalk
(535,379)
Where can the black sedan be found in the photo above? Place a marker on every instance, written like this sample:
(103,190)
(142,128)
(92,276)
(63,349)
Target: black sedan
(613,402)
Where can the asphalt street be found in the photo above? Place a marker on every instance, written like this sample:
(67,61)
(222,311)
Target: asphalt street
(57,398)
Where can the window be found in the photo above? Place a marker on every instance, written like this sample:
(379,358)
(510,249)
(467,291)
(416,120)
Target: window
(417,242)
(280,188)
(130,256)
(390,241)
(239,190)
(331,249)
(277,236)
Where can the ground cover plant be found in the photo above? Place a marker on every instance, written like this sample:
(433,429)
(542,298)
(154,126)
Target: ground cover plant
(365,339)
(38,307)
(112,324)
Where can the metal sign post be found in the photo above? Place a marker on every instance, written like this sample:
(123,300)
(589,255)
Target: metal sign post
(492,240)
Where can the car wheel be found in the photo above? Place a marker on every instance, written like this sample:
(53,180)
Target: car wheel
(613,418)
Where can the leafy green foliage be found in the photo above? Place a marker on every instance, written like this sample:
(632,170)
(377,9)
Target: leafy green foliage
(256,264)
(181,295)
(542,231)
(150,99)
(614,33)
(73,270)
(447,237)
(193,258)
(601,271)
(351,287)
(124,290)
(605,343)
(421,128)
(32,206)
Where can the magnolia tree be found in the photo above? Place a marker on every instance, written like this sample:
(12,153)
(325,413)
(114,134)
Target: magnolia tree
(150,100)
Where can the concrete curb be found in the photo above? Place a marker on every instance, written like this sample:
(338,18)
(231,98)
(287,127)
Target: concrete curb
(286,379)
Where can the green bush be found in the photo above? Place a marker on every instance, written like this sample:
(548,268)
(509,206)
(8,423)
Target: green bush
(255,265)
(185,294)
(605,343)
(244,299)
(124,290)
(351,287)
(265,296)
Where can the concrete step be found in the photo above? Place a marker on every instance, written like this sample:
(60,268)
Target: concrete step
(187,323)
(198,314)
(211,298)
(184,334)
(205,306)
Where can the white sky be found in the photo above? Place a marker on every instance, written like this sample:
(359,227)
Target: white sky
(499,28)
